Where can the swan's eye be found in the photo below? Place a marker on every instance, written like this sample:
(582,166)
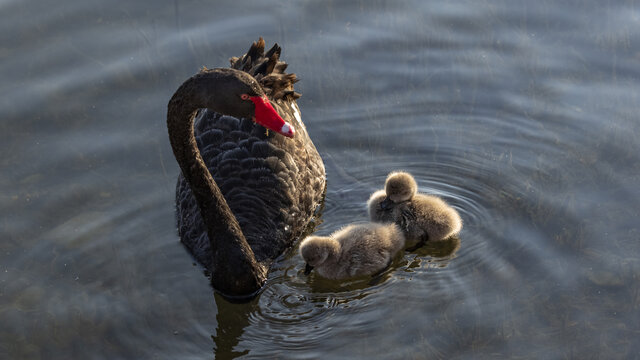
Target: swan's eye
(244,96)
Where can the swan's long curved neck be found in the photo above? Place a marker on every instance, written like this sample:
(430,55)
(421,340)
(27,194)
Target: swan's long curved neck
(236,271)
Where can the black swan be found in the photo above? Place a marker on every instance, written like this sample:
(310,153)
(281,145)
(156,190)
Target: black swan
(245,193)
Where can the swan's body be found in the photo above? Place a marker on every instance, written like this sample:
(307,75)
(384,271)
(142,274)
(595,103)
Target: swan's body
(355,250)
(421,217)
(253,191)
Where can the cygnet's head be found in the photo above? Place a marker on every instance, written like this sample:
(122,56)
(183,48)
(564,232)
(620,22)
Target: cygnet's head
(400,186)
(315,250)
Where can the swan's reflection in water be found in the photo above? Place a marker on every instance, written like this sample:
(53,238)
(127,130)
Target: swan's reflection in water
(232,319)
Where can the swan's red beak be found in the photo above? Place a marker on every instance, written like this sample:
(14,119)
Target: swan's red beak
(267,116)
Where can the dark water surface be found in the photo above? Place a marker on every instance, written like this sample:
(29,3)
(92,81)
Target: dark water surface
(523,115)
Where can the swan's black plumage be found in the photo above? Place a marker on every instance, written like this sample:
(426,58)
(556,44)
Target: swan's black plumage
(271,183)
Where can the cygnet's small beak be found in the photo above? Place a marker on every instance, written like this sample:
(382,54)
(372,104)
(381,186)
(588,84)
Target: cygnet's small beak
(386,203)
(267,116)
(307,269)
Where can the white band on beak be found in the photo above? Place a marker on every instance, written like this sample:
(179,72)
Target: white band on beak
(286,128)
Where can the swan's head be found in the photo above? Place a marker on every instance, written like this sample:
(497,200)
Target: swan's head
(236,93)
(400,186)
(315,250)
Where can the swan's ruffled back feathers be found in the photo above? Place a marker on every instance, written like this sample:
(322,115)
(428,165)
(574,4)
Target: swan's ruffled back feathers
(268,70)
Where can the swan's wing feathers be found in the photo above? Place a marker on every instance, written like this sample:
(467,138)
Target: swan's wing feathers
(256,51)
(191,228)
(246,64)
(271,64)
(260,178)
(280,67)
(275,50)
(268,69)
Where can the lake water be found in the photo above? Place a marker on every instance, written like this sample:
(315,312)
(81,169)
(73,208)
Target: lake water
(523,115)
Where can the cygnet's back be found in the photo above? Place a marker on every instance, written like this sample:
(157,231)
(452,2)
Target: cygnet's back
(421,217)
(432,217)
(354,250)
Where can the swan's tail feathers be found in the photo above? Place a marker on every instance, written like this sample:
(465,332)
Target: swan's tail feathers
(268,70)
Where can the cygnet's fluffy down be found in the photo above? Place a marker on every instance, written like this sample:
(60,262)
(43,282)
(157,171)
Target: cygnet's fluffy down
(354,250)
(420,216)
